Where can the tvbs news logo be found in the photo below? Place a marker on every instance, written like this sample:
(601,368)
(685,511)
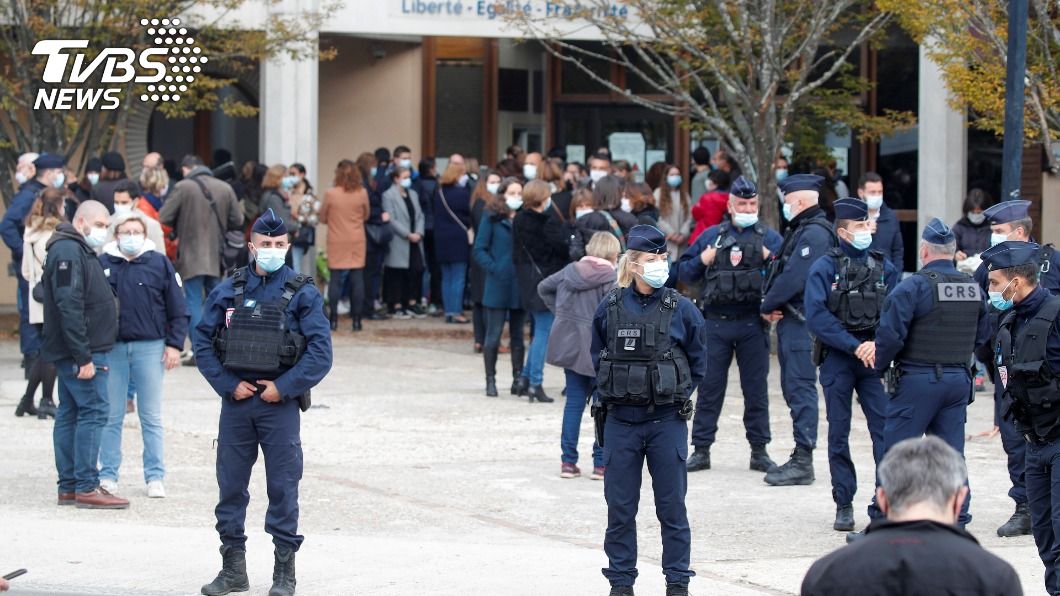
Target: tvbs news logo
(167,68)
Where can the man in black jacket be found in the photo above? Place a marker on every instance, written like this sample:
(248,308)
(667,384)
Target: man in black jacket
(80,325)
(918,549)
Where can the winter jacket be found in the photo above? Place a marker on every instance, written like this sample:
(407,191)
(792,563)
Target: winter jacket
(103,191)
(189,213)
(450,237)
(151,294)
(709,211)
(573,295)
(34,255)
(972,239)
(12,227)
(403,223)
(537,253)
(888,237)
(80,307)
(493,250)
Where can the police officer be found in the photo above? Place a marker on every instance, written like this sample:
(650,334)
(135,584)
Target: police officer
(930,325)
(1009,220)
(844,297)
(649,351)
(1027,356)
(728,262)
(263,343)
(808,237)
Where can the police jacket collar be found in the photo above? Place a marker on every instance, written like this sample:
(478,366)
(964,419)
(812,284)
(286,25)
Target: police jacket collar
(884,526)
(940,265)
(1033,301)
(67,231)
(850,251)
(808,213)
(32,184)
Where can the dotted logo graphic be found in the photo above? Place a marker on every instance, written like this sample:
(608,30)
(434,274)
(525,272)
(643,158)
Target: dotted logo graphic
(185,59)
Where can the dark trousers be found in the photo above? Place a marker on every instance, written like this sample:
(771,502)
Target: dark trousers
(495,318)
(928,403)
(28,335)
(401,287)
(664,444)
(478,322)
(841,375)
(1043,495)
(244,425)
(798,379)
(748,340)
(435,291)
(1015,447)
(340,278)
(373,276)
(79,420)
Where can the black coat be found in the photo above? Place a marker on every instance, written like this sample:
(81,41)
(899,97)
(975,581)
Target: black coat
(536,252)
(598,222)
(971,239)
(912,558)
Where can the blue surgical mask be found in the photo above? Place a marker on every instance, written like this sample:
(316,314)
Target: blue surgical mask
(673,181)
(405,163)
(548,203)
(59,180)
(493,187)
(861,240)
(996,238)
(580,213)
(96,237)
(788,215)
(656,273)
(270,259)
(132,244)
(874,201)
(288,182)
(406,183)
(514,202)
(781,174)
(744,220)
(997,299)
(93,178)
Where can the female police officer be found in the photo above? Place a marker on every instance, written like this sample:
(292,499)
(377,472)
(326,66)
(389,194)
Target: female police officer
(649,351)
(263,343)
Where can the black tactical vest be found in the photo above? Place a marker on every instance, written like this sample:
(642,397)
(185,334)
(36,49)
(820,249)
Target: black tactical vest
(737,274)
(780,259)
(1032,388)
(946,335)
(641,366)
(858,290)
(255,337)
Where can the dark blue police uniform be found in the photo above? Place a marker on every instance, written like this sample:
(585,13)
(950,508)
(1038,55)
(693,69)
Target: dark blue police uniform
(732,292)
(844,296)
(645,376)
(930,325)
(247,423)
(807,239)
(888,237)
(1027,357)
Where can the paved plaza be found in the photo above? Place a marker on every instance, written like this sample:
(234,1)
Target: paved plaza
(415,483)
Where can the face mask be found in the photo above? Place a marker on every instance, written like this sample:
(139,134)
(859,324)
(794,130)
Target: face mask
(21,178)
(270,259)
(874,201)
(93,178)
(627,206)
(96,237)
(788,211)
(673,181)
(130,245)
(580,213)
(463,180)
(996,239)
(548,203)
(596,175)
(122,208)
(406,183)
(745,220)
(998,301)
(375,171)
(288,182)
(976,218)
(514,203)
(861,240)
(781,174)
(59,180)
(405,163)
(493,187)
(529,171)
(656,273)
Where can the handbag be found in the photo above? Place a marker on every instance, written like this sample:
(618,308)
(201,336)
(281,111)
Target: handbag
(470,232)
(379,234)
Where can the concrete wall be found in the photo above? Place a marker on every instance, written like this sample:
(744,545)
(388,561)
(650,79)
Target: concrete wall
(8,285)
(1050,209)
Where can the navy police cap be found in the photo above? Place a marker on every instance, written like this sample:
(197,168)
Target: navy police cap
(849,208)
(1010,253)
(269,224)
(645,238)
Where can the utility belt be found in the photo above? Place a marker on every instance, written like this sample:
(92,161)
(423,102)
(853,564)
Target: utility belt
(600,410)
(717,316)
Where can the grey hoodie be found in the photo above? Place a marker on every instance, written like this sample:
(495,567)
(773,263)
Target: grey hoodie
(573,295)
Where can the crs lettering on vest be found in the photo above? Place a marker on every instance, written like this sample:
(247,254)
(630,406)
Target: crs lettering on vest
(630,338)
(958,292)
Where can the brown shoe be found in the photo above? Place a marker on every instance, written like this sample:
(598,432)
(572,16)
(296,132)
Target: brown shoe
(100,499)
(67,499)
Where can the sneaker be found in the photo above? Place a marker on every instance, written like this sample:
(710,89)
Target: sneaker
(598,473)
(156,490)
(569,471)
(111,486)
(400,315)
(418,312)
(434,311)
(344,307)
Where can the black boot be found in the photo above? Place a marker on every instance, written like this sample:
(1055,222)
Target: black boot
(334,318)
(844,518)
(520,384)
(676,589)
(760,460)
(1017,525)
(621,591)
(357,326)
(797,471)
(283,574)
(233,575)
(489,356)
(26,406)
(699,460)
(538,392)
(46,408)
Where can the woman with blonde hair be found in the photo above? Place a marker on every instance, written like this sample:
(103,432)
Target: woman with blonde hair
(572,295)
(649,353)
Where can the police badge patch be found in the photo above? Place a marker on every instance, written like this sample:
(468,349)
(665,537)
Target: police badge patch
(805,252)
(735,256)
(228,317)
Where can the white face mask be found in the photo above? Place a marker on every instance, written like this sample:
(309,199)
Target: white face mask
(976,218)
(874,201)
(580,213)
(627,206)
(996,238)
(529,171)
(96,237)
(745,220)
(122,208)
(93,178)
(596,175)
(21,178)
(514,202)
(493,187)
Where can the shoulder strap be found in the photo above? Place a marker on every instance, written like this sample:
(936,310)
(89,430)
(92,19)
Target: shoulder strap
(835,252)
(213,205)
(615,229)
(450,211)
(291,288)
(239,282)
(823,223)
(670,298)
(612,319)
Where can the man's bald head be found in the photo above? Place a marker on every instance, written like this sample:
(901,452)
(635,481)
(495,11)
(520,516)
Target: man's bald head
(152,160)
(456,159)
(91,214)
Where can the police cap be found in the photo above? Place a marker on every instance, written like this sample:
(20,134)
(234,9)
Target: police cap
(49,161)
(937,232)
(645,238)
(1007,211)
(269,224)
(1011,253)
(801,182)
(742,188)
(853,209)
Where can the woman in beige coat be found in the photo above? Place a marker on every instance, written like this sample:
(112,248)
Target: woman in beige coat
(46,213)
(344,211)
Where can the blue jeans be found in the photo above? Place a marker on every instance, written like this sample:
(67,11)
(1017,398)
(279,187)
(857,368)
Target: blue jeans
(196,289)
(299,262)
(79,421)
(578,389)
(535,358)
(453,276)
(138,362)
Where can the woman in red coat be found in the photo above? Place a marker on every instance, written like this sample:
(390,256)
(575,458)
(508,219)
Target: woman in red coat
(712,206)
